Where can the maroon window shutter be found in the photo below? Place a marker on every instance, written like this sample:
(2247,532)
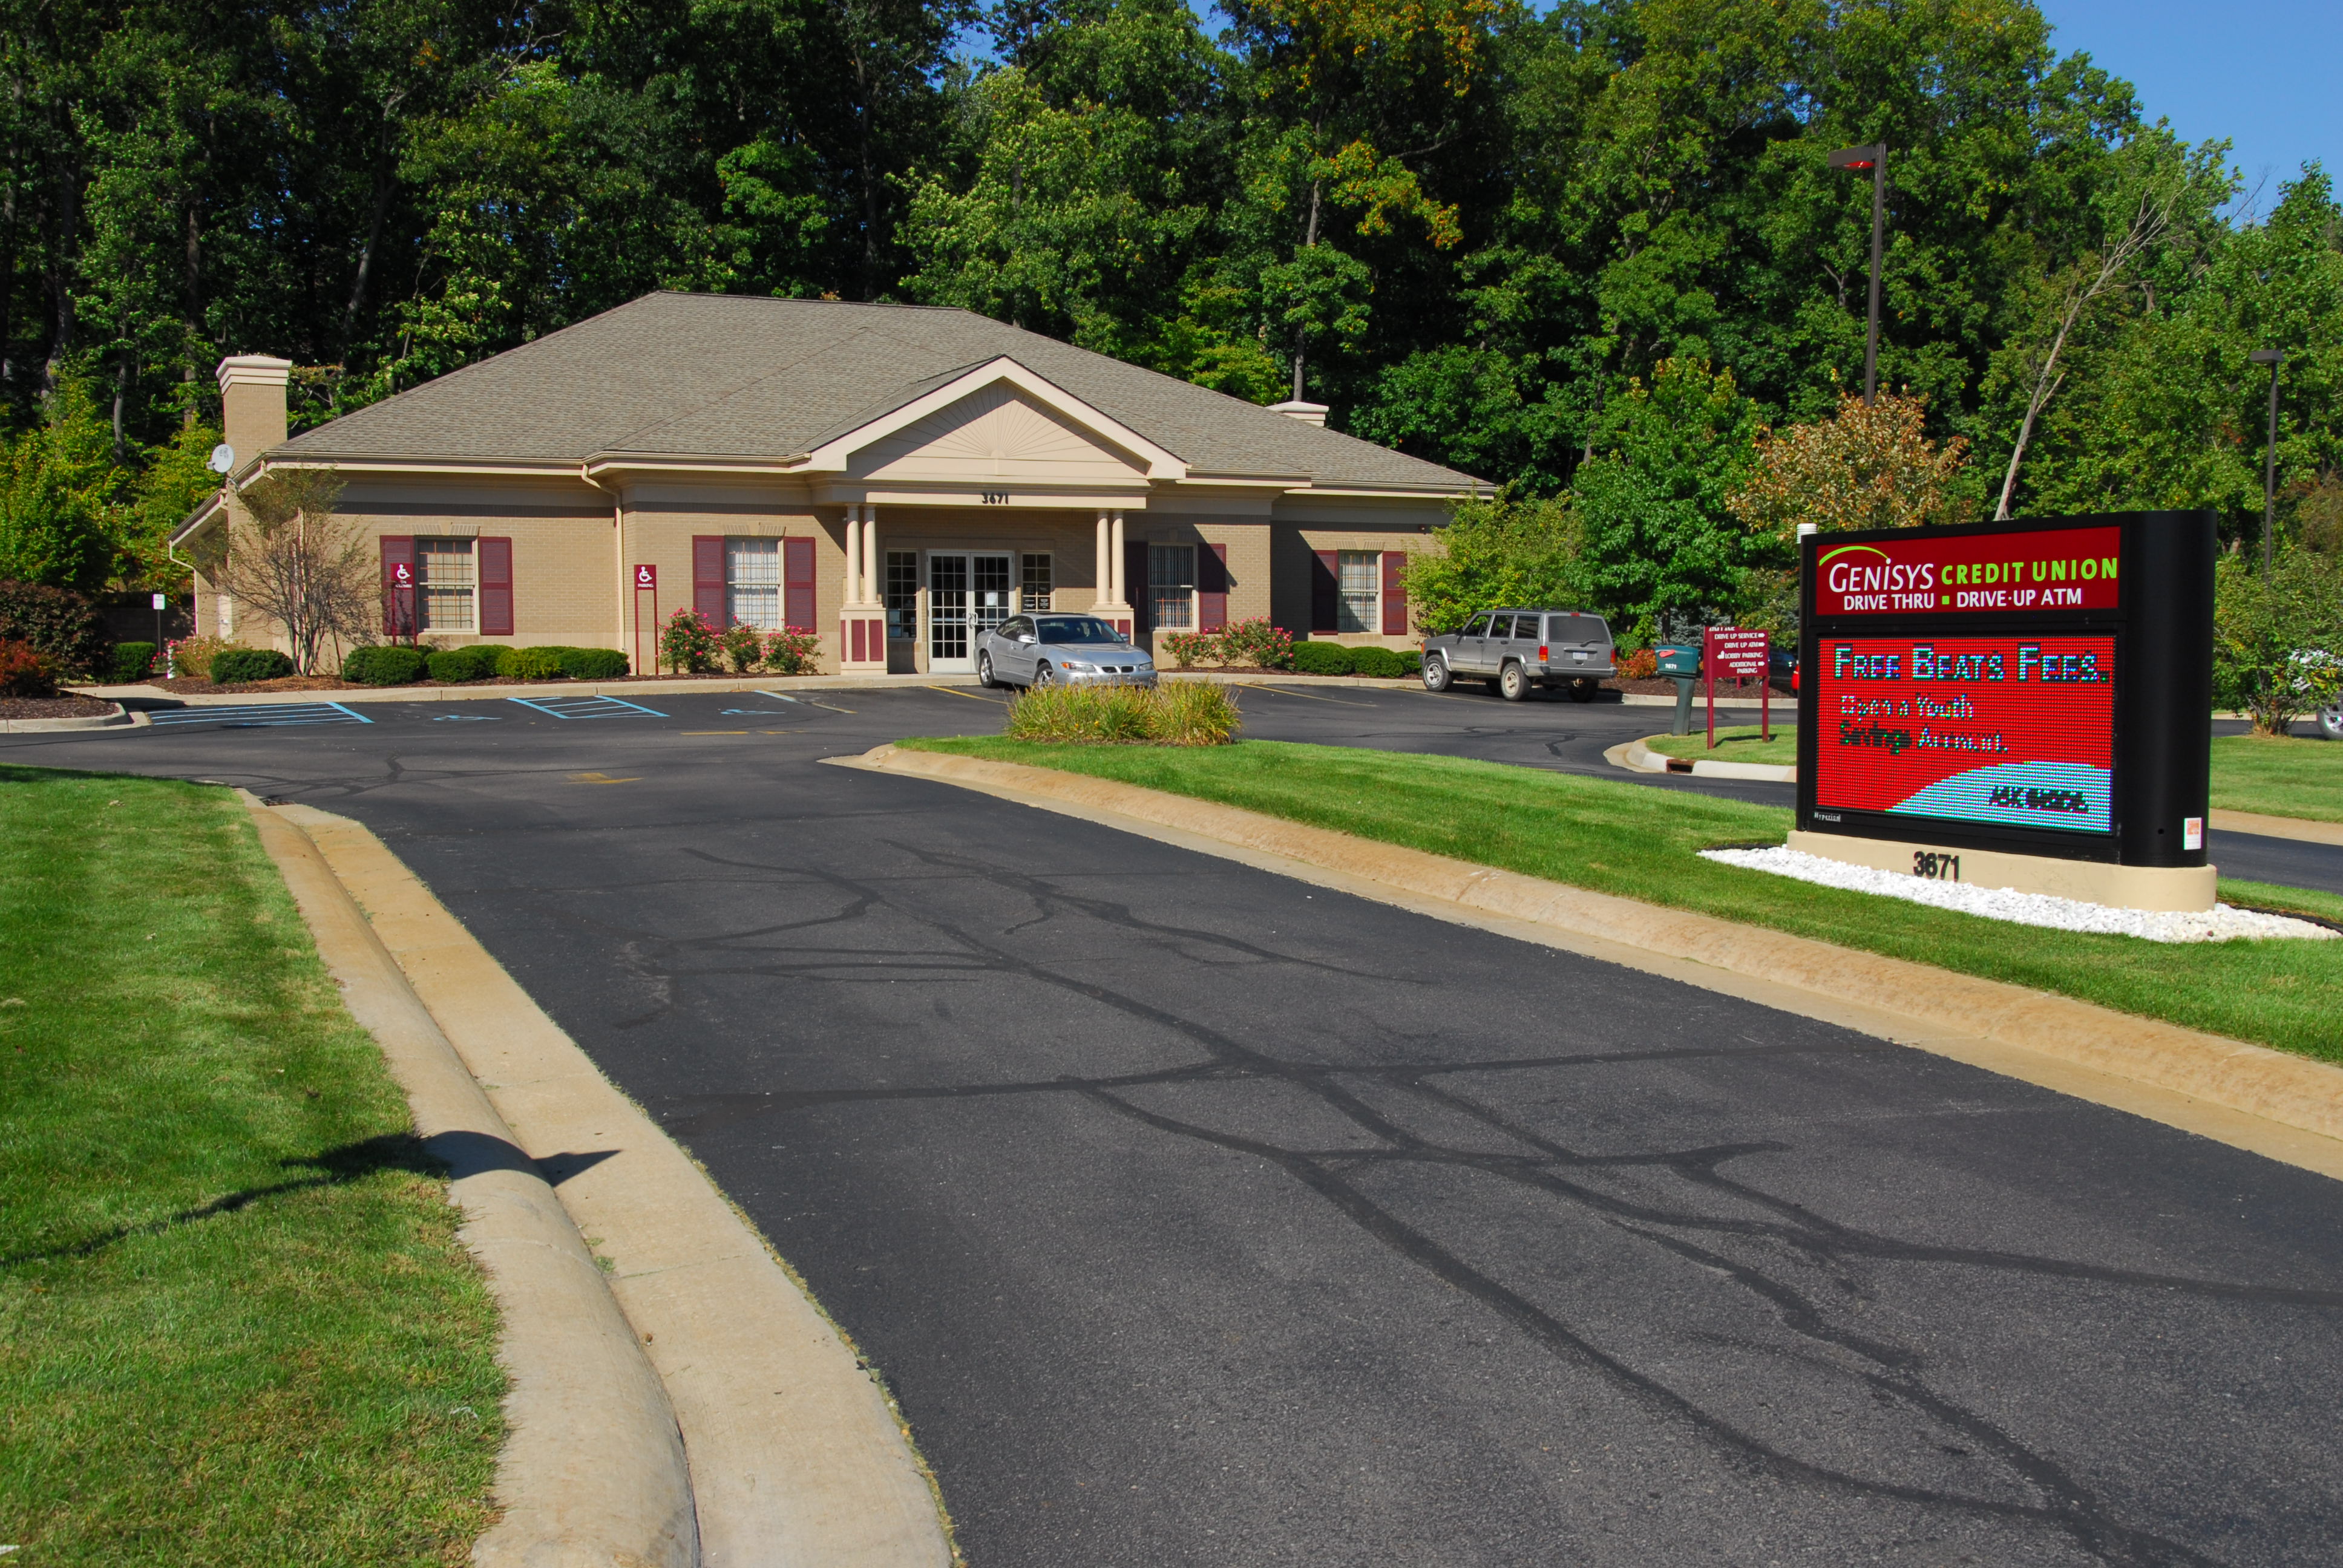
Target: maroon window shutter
(1323,587)
(708,578)
(1134,583)
(1394,593)
(494,559)
(1213,588)
(397,587)
(797,584)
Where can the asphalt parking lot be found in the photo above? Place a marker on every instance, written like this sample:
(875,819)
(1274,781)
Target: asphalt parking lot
(1197,1216)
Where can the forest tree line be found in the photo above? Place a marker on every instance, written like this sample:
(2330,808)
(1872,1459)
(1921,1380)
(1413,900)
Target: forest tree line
(1594,251)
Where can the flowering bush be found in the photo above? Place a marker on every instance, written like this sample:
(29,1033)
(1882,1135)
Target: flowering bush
(1191,648)
(1256,642)
(792,651)
(1641,665)
(742,647)
(26,671)
(687,643)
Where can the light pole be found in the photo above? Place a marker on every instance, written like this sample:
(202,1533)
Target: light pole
(2273,358)
(1875,158)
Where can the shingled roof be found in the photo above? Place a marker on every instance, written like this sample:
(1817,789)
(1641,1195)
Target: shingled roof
(726,376)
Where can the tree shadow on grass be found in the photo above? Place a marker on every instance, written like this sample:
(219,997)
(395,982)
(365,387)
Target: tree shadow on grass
(336,1167)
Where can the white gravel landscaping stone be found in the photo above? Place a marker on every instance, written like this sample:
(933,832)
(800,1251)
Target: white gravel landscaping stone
(2220,923)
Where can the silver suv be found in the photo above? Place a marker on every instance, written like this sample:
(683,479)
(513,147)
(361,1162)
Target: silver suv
(1516,650)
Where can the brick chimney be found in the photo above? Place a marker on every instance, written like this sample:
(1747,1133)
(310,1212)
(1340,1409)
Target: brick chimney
(252,404)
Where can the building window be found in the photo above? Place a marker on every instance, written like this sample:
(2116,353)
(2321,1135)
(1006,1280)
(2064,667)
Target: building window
(903,595)
(752,583)
(1361,592)
(1171,586)
(1034,592)
(444,581)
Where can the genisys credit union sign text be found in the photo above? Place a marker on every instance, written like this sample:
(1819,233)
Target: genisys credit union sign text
(2040,569)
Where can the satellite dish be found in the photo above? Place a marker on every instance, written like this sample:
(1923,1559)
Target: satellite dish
(223,459)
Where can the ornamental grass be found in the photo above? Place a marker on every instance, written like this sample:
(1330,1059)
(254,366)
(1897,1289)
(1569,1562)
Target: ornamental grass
(1175,713)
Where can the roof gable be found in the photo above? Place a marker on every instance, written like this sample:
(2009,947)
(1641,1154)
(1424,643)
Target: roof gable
(1000,419)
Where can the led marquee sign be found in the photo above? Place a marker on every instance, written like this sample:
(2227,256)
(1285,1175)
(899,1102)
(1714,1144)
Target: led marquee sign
(2041,688)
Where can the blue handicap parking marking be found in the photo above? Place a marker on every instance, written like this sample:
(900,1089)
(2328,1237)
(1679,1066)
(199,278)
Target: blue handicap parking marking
(589,707)
(463,718)
(779,710)
(263,715)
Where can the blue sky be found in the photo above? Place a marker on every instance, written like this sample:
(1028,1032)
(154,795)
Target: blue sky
(2266,74)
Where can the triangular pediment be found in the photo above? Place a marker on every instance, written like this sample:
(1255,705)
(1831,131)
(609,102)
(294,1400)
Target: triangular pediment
(997,421)
(996,432)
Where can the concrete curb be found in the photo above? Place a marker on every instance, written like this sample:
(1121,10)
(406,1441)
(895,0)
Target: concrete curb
(797,1457)
(593,1474)
(1637,757)
(2287,1107)
(119,717)
(2299,829)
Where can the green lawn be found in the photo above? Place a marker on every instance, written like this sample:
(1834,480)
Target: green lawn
(236,1326)
(1738,744)
(1616,837)
(2291,778)
(2278,777)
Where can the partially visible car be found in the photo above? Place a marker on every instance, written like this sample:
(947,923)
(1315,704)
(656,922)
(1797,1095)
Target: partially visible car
(1517,651)
(1057,650)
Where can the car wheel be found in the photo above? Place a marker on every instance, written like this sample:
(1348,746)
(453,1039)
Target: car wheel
(1513,683)
(1585,691)
(1435,674)
(984,670)
(2330,722)
(1045,675)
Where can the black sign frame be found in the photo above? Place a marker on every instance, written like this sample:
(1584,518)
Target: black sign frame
(2163,630)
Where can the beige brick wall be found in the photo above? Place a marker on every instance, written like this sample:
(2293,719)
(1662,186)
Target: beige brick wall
(1294,546)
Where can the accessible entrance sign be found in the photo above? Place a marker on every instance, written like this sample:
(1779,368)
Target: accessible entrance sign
(2043,688)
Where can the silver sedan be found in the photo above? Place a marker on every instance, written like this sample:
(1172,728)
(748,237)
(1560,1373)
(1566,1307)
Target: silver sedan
(1060,650)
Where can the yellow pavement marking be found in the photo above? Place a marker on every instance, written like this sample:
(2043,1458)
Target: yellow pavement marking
(713,732)
(972,696)
(602,779)
(1305,696)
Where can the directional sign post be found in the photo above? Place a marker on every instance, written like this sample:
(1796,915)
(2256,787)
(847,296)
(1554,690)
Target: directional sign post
(1742,654)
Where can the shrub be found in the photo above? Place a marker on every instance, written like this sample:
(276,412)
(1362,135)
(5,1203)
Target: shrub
(191,657)
(530,663)
(688,643)
(133,661)
(456,665)
(1641,665)
(26,671)
(1410,661)
(386,664)
(1323,658)
(742,646)
(593,663)
(1176,713)
(60,624)
(1381,663)
(1191,648)
(792,652)
(239,666)
(1258,643)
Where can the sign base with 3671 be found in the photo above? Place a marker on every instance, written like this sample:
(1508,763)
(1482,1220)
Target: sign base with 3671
(2037,692)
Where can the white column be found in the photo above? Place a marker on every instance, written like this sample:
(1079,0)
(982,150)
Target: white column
(870,581)
(1114,558)
(853,553)
(1105,575)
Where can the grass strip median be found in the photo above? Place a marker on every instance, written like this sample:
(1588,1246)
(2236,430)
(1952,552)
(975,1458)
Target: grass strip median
(235,1324)
(1616,837)
(2279,775)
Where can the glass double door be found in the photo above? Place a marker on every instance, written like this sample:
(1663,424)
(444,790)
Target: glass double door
(967,594)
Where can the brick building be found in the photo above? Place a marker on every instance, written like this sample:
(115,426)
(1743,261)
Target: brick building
(891,477)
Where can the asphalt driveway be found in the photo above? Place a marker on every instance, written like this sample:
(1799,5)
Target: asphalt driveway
(1197,1216)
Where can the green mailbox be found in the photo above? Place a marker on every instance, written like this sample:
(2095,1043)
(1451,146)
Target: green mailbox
(1678,660)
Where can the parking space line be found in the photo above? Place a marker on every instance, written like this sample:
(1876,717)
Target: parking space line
(260,715)
(589,707)
(972,696)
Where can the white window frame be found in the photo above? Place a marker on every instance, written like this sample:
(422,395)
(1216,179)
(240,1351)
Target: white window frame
(1025,560)
(736,585)
(1156,552)
(428,601)
(1348,599)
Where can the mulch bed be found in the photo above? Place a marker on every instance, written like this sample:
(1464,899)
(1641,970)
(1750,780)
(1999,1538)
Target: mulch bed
(72,706)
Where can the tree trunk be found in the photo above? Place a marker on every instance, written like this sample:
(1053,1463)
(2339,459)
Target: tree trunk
(383,185)
(65,233)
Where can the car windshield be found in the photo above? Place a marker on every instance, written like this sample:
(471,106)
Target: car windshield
(1074,629)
